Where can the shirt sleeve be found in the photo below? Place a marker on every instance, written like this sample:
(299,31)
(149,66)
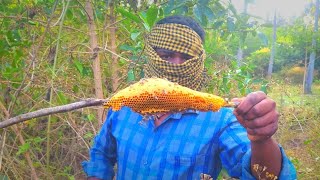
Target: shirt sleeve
(103,153)
(235,152)
(287,172)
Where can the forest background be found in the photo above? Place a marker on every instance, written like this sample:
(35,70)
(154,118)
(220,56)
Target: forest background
(56,52)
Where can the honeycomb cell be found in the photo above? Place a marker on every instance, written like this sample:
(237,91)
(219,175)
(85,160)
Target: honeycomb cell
(154,95)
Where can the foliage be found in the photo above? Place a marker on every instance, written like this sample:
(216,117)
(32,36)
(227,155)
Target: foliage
(231,81)
(28,39)
(294,74)
(293,44)
(260,60)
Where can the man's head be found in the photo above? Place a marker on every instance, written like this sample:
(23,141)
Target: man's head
(184,20)
(172,56)
(175,51)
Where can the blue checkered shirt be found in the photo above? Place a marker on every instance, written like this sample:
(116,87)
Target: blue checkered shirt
(182,147)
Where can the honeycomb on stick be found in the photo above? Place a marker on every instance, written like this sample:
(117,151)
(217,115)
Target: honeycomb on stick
(156,95)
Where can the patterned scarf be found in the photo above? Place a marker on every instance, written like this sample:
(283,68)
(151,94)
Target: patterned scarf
(182,39)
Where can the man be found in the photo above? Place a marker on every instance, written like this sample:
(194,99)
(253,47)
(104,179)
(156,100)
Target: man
(185,145)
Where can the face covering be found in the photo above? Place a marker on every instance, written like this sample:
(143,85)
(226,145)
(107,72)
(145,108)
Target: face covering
(182,39)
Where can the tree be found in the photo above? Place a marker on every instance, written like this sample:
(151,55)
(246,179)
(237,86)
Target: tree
(241,42)
(310,70)
(274,38)
(95,58)
(50,58)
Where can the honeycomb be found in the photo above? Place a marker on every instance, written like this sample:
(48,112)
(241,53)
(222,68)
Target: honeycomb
(156,95)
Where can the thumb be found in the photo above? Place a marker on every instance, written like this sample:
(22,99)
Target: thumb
(236,101)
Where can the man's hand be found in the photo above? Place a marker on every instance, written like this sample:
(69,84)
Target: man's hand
(257,113)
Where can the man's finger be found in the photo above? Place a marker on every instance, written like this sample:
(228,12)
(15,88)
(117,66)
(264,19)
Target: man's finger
(262,108)
(251,100)
(269,118)
(268,130)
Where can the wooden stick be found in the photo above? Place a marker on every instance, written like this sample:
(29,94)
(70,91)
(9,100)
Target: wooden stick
(52,110)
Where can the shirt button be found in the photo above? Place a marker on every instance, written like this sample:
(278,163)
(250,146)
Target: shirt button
(145,163)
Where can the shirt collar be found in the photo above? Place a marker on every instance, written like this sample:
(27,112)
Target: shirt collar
(179,114)
(175,116)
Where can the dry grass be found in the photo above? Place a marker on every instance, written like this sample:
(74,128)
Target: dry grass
(72,133)
(299,129)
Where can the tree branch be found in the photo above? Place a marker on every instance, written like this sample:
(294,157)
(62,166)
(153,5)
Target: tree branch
(52,110)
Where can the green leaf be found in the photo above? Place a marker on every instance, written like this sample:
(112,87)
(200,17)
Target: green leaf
(69,14)
(263,88)
(160,13)
(87,71)
(122,62)
(38,140)
(90,117)
(169,7)
(62,98)
(181,10)
(221,13)
(230,24)
(88,135)
(127,47)
(152,14)
(241,88)
(79,66)
(143,16)
(247,81)
(75,88)
(130,76)
(32,22)
(134,35)
(99,14)
(203,2)
(24,148)
(208,13)
(217,24)
(128,14)
(308,141)
(81,13)
(198,13)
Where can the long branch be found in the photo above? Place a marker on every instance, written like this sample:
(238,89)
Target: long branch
(52,110)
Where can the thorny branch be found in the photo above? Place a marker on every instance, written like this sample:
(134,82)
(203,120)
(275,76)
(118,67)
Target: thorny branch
(52,110)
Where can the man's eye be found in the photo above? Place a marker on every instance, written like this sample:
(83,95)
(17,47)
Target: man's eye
(187,57)
(165,57)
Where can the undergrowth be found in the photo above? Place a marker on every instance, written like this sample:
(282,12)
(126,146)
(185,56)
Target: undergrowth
(299,126)
(72,134)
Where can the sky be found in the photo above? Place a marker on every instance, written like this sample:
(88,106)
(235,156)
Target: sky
(265,8)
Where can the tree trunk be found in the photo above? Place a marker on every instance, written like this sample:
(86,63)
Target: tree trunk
(239,56)
(95,58)
(113,47)
(240,51)
(309,75)
(273,49)
(305,68)
(245,7)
